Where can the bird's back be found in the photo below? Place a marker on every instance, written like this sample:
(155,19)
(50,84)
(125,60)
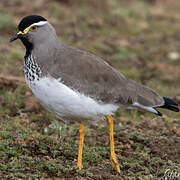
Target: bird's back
(92,76)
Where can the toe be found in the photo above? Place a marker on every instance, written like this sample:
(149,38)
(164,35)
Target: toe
(115,164)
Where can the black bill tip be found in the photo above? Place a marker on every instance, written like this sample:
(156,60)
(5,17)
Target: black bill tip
(13,38)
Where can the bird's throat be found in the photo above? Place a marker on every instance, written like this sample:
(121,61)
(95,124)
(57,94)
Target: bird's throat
(28,45)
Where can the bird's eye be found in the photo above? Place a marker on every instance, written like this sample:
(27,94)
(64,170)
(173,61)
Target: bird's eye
(34,28)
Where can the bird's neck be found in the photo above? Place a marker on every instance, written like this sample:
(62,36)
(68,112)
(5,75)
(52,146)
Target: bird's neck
(42,53)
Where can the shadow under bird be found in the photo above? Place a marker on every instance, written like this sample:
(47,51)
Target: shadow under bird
(78,86)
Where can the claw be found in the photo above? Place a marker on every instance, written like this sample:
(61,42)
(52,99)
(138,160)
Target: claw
(79,165)
(114,163)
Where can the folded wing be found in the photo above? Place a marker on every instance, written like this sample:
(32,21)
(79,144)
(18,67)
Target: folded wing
(92,76)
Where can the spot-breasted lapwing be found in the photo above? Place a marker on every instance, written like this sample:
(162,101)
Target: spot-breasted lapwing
(79,86)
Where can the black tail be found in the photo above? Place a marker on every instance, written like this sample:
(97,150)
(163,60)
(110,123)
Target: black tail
(170,104)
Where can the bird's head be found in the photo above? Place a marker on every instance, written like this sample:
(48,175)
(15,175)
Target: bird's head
(34,30)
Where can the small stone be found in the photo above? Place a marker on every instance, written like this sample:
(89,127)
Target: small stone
(173,55)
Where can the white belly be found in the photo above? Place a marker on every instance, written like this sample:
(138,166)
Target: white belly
(67,103)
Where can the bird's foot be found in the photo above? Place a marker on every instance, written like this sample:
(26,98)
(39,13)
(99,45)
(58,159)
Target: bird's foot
(79,166)
(115,163)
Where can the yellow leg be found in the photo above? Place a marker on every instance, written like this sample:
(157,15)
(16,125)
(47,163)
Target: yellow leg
(81,142)
(113,159)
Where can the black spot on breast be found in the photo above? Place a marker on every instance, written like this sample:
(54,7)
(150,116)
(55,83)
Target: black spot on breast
(31,69)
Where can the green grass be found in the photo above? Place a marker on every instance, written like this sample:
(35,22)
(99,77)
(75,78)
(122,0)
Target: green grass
(6,22)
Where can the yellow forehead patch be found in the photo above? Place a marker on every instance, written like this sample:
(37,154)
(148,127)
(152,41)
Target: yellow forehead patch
(25,31)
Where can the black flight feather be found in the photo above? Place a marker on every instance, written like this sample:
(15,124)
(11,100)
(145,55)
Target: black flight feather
(170,104)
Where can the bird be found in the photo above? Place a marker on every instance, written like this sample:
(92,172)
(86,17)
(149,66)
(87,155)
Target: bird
(78,86)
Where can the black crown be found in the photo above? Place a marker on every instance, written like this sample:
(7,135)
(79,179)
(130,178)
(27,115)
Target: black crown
(28,20)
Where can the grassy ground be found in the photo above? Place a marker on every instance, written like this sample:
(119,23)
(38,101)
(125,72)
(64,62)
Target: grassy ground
(139,38)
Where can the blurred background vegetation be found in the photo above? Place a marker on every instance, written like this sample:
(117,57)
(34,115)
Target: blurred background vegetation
(138,37)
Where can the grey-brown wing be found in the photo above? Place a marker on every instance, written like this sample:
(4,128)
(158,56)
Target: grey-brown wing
(92,76)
